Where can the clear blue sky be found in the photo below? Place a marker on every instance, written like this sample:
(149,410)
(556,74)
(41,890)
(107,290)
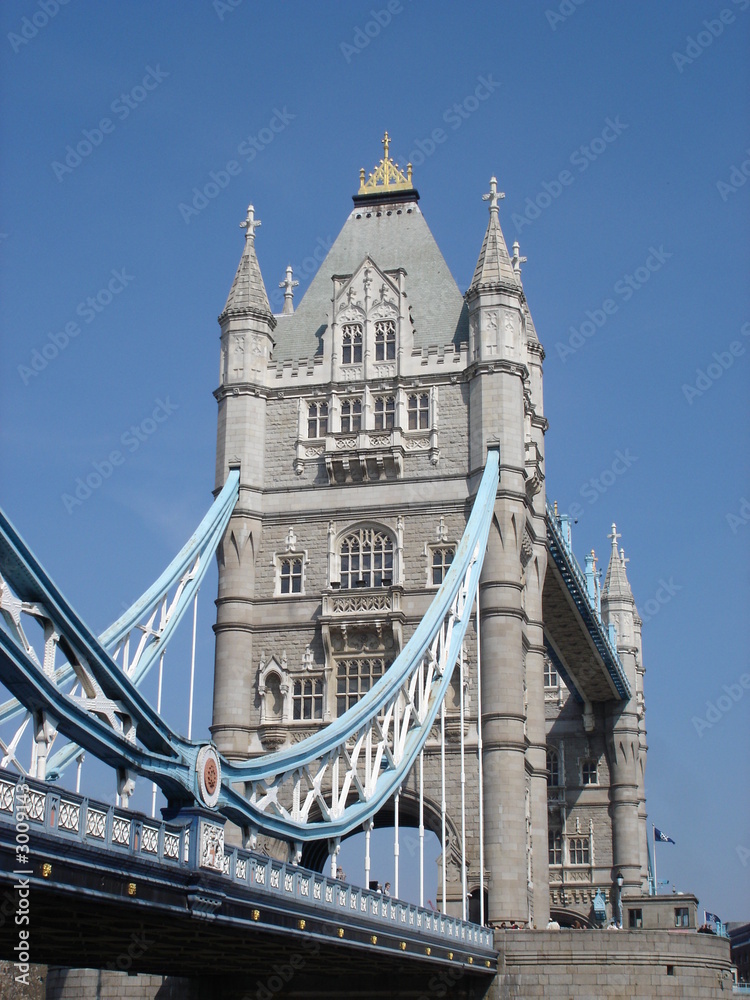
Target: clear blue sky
(644,107)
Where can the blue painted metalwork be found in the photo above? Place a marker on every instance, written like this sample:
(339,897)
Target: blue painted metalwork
(396,714)
(185,572)
(575,582)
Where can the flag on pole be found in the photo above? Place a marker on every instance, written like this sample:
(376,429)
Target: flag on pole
(710,918)
(662,837)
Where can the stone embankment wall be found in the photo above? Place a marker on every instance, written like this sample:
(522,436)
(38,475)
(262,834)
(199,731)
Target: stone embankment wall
(623,965)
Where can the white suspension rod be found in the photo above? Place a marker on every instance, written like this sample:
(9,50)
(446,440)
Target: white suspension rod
(192,666)
(442,795)
(368,830)
(481,769)
(463,789)
(395,843)
(421,828)
(158,710)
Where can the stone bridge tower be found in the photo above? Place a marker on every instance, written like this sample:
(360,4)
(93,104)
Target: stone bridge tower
(360,421)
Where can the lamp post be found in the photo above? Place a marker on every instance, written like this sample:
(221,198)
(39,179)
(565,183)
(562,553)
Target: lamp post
(620,880)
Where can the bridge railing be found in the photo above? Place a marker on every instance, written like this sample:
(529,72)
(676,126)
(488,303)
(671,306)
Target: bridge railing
(79,819)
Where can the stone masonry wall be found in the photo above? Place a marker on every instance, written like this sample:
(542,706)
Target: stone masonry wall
(623,965)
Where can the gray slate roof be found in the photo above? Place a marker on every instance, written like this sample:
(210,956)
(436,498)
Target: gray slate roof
(399,239)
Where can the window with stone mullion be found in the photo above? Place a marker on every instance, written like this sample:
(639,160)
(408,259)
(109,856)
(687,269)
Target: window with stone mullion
(351,346)
(351,416)
(385,340)
(366,560)
(385,412)
(307,699)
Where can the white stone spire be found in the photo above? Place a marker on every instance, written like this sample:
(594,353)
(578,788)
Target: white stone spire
(248,293)
(288,284)
(494,266)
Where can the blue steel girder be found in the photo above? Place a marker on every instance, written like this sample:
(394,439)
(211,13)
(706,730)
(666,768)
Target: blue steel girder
(359,761)
(183,576)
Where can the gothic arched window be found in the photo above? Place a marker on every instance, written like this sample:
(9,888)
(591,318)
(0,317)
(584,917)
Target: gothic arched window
(385,340)
(351,345)
(366,559)
(553,767)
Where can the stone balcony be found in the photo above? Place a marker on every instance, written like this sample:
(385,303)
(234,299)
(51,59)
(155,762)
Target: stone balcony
(363,619)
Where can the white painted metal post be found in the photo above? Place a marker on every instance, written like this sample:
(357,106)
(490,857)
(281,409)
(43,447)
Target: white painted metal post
(463,789)
(442,795)
(368,830)
(158,712)
(79,761)
(192,667)
(421,827)
(395,843)
(481,770)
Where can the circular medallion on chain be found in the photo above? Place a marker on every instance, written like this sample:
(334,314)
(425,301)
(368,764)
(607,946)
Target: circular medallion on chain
(208,770)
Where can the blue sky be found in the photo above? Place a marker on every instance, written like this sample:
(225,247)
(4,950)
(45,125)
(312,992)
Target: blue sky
(618,134)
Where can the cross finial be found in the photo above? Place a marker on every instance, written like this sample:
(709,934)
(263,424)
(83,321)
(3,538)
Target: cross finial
(386,140)
(288,285)
(623,560)
(517,258)
(494,196)
(614,536)
(250,223)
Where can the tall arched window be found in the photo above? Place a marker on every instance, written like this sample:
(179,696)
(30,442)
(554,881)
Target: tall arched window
(553,766)
(366,559)
(351,347)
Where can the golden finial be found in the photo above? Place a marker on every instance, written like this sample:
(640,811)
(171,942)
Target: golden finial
(386,176)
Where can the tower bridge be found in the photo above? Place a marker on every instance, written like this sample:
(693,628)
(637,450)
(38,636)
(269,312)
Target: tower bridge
(403,636)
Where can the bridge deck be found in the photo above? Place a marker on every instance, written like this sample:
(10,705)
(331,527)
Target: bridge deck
(112,905)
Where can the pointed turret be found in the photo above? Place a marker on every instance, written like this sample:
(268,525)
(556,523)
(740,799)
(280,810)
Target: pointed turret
(616,583)
(247,296)
(494,266)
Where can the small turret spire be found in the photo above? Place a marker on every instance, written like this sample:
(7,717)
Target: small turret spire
(616,582)
(248,293)
(518,259)
(494,266)
(493,196)
(288,285)
(250,223)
